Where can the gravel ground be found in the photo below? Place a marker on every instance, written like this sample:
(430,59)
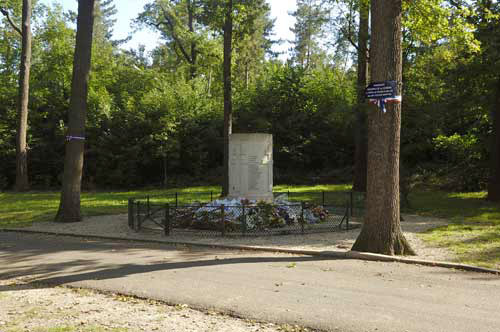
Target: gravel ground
(30,307)
(116,225)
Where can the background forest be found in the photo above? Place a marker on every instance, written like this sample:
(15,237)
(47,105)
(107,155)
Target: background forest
(157,118)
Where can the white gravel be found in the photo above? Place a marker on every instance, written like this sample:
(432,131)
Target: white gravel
(30,307)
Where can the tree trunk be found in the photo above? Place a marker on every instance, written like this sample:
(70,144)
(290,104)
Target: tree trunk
(381,231)
(22,182)
(69,207)
(359,183)
(228,104)
(165,170)
(194,51)
(494,182)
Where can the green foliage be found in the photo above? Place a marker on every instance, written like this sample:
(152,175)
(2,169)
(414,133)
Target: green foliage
(182,27)
(157,118)
(251,41)
(464,167)
(448,95)
(431,21)
(311,17)
(307,112)
(148,125)
(150,119)
(10,50)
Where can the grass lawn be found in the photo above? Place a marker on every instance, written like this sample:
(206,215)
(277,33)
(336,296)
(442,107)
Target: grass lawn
(474,229)
(18,209)
(473,233)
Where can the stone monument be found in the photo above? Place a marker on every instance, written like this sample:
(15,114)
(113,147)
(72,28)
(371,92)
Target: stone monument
(251,166)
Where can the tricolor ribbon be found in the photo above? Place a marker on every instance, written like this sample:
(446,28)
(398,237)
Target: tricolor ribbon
(382,101)
(77,138)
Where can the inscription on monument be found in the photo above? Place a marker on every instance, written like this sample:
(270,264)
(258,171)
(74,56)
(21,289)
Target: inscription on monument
(254,173)
(251,166)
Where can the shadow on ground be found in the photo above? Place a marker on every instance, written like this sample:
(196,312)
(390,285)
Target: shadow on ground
(82,260)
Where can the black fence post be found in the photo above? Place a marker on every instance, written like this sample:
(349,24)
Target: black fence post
(131,213)
(302,221)
(352,203)
(223,223)
(323,198)
(166,221)
(288,194)
(244,221)
(211,196)
(176,199)
(347,219)
(138,221)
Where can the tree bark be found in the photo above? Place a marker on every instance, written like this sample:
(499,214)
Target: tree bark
(228,104)
(494,182)
(381,232)
(359,183)
(69,207)
(22,182)
(194,51)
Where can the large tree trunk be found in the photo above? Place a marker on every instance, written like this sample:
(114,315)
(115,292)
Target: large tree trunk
(494,182)
(359,183)
(228,104)
(69,207)
(381,231)
(22,182)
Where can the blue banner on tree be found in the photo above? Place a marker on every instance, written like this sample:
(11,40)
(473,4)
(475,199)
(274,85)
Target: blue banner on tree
(75,138)
(380,93)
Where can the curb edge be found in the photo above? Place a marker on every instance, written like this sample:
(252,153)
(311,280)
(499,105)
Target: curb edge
(327,254)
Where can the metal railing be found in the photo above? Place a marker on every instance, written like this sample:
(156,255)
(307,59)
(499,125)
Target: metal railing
(260,218)
(355,200)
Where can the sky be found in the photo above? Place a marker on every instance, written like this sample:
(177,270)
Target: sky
(128,10)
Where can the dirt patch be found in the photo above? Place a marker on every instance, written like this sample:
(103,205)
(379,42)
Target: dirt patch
(116,225)
(31,307)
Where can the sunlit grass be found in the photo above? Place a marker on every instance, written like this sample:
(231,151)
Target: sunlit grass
(18,209)
(474,230)
(314,188)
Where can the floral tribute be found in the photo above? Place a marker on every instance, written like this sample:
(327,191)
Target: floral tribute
(251,215)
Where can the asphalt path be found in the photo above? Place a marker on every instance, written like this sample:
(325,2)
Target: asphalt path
(326,294)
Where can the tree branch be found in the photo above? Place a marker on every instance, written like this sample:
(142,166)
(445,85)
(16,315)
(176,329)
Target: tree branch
(14,26)
(457,4)
(169,24)
(348,36)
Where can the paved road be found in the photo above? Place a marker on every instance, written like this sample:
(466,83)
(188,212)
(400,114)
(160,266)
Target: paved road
(333,295)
